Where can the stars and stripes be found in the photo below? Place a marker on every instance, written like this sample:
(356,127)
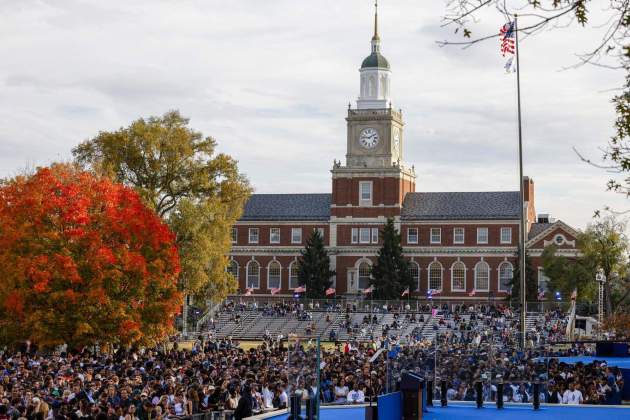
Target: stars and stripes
(301,289)
(330,291)
(406,292)
(472,293)
(275,290)
(368,290)
(248,291)
(507,39)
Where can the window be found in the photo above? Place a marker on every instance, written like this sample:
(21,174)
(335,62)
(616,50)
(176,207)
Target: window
(458,277)
(355,235)
(365,193)
(482,235)
(458,235)
(374,235)
(414,272)
(274,235)
(543,280)
(320,231)
(273,275)
(364,235)
(482,276)
(436,235)
(253,275)
(234,235)
(506,273)
(296,235)
(232,268)
(559,239)
(294,273)
(506,235)
(253,235)
(364,275)
(435,276)
(412,235)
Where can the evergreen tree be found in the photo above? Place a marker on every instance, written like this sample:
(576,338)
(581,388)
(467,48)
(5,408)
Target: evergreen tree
(390,273)
(314,265)
(531,282)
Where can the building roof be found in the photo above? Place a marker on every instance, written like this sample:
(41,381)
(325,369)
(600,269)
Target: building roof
(375,59)
(537,228)
(287,207)
(461,205)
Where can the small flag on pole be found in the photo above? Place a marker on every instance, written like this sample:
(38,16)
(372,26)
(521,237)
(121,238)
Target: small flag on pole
(248,291)
(330,291)
(301,289)
(406,292)
(275,290)
(368,290)
(472,293)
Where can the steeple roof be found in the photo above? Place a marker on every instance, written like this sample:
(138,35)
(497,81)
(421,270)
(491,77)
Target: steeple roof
(376,59)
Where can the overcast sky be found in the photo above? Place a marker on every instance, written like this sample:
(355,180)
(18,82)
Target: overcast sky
(271,80)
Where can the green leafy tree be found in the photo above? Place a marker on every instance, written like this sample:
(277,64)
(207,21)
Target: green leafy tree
(390,273)
(199,193)
(531,282)
(314,267)
(604,244)
(568,273)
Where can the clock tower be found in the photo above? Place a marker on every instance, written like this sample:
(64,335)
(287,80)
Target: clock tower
(374,180)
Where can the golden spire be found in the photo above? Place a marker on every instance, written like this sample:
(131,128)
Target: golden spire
(375,37)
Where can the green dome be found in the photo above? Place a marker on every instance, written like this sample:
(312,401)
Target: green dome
(375,60)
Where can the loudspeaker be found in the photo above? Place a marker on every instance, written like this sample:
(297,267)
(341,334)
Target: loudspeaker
(500,395)
(536,395)
(443,399)
(412,405)
(479,394)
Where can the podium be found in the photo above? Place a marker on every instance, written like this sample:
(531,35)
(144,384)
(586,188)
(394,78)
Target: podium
(412,388)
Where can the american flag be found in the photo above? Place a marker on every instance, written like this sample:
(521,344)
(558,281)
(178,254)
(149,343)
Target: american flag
(248,291)
(406,292)
(541,295)
(472,293)
(330,291)
(507,38)
(368,290)
(275,290)
(301,289)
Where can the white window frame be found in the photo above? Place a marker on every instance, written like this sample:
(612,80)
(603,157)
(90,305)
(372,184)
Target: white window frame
(272,233)
(364,235)
(455,235)
(453,288)
(368,278)
(250,235)
(354,235)
(374,235)
(416,276)
(508,232)
(274,262)
(440,268)
(476,277)
(438,239)
(409,239)
(294,266)
(366,199)
(321,231)
(294,239)
(503,264)
(479,239)
(234,235)
(247,275)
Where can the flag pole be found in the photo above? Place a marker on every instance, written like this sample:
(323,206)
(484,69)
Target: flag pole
(523,226)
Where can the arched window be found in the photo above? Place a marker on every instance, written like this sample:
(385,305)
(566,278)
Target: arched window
(435,276)
(253,275)
(414,271)
(365,273)
(506,273)
(383,92)
(364,86)
(294,273)
(232,268)
(273,275)
(372,86)
(458,277)
(482,276)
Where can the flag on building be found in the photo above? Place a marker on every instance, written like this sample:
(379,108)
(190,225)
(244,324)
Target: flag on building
(330,291)
(368,290)
(248,291)
(301,289)
(472,293)
(541,295)
(275,290)
(406,292)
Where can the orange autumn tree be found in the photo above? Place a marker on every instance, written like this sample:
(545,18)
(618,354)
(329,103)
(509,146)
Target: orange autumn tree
(82,260)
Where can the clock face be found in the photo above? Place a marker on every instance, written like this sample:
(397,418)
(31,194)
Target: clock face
(368,138)
(396,139)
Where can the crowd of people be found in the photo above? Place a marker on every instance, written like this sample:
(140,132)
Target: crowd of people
(471,345)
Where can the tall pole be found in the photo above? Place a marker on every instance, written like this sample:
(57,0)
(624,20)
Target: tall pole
(523,226)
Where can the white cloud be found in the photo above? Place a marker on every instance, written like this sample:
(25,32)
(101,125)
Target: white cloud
(271,80)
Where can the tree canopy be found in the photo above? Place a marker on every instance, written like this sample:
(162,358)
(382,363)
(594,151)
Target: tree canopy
(390,273)
(83,260)
(199,193)
(314,267)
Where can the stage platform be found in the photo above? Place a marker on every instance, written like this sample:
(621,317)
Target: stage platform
(620,362)
(468,411)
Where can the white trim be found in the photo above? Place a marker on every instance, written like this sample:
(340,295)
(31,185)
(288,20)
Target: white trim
(249,235)
(435,261)
(268,276)
(475,277)
(238,267)
(293,230)
(247,274)
(504,262)
(366,201)
(417,235)
(463,241)
(480,229)
(297,277)
(279,235)
(501,235)
(419,279)
(374,235)
(439,241)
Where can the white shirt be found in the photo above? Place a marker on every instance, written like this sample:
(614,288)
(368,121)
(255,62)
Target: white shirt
(267,396)
(572,397)
(356,396)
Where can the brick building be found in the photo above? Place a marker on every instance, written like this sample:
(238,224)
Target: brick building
(457,241)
